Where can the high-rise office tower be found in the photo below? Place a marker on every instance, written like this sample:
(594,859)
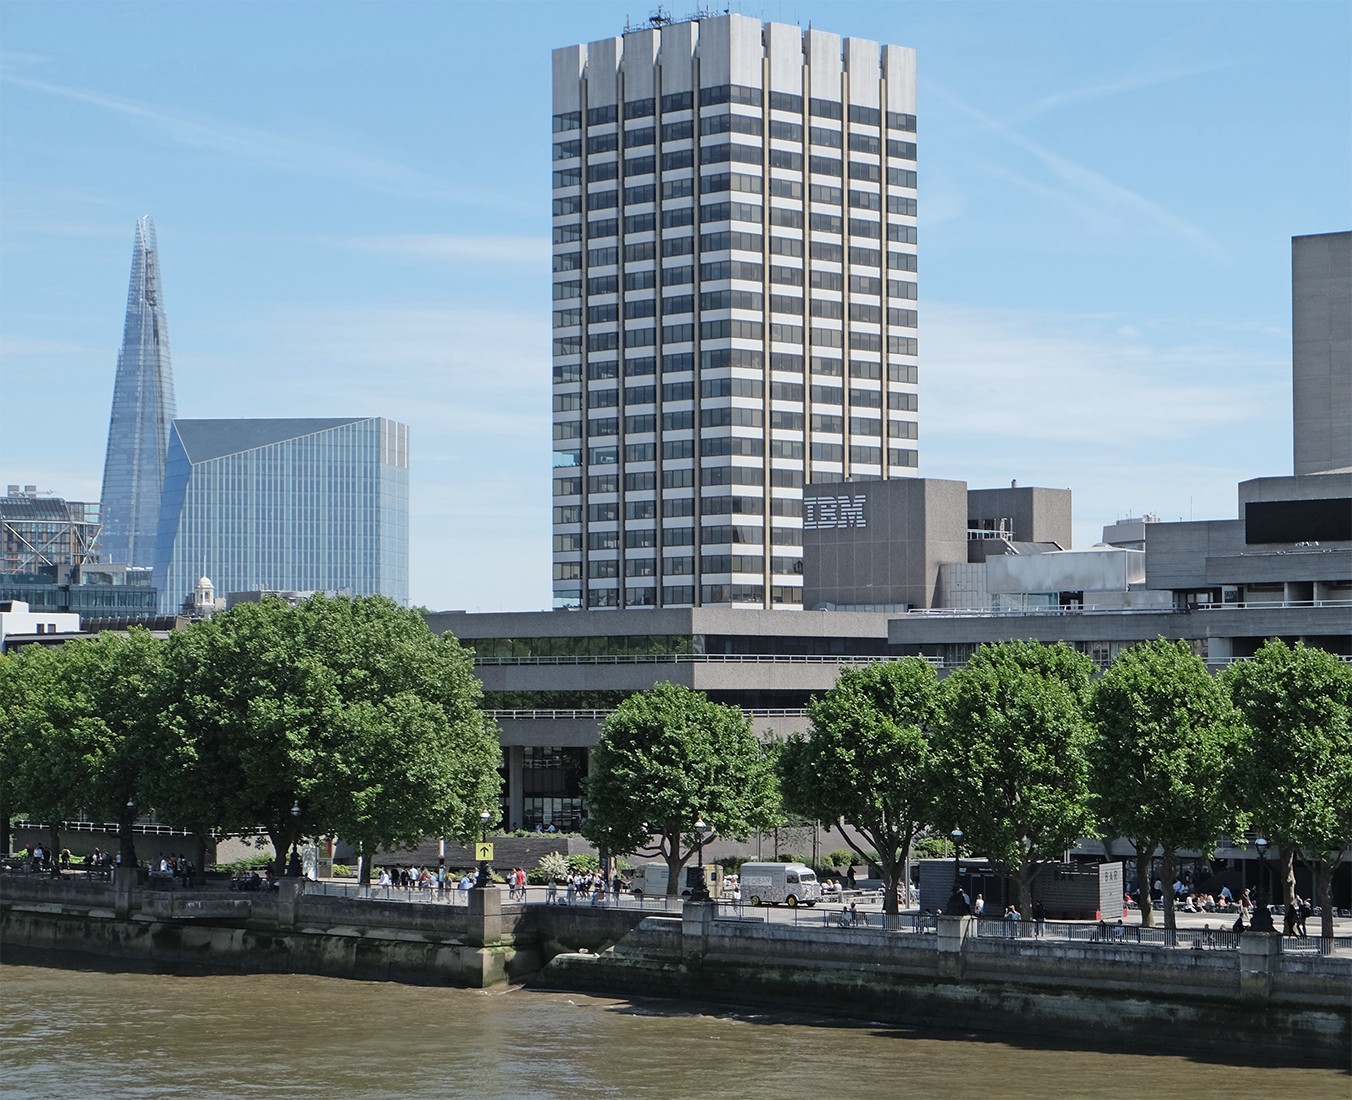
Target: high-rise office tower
(143,408)
(734,302)
(289,505)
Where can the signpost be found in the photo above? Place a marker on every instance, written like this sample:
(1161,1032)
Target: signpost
(483,853)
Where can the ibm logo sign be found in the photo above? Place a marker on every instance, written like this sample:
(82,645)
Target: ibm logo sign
(828,513)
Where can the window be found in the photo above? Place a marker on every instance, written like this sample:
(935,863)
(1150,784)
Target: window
(678,131)
(902,150)
(902,318)
(900,177)
(833,253)
(824,166)
(786,506)
(679,593)
(730,269)
(601,257)
(674,217)
(828,395)
(638,253)
(865,200)
(721,417)
(865,257)
(603,399)
(602,284)
(640,395)
(678,303)
(678,421)
(596,173)
(871,399)
(568,372)
(786,101)
(675,276)
(603,540)
(904,234)
(730,299)
(824,108)
(676,362)
(603,483)
(609,425)
(896,204)
(724,154)
(641,567)
(783,215)
(787,421)
(718,242)
(732,475)
(866,143)
(867,116)
(823,193)
(828,452)
(782,158)
(678,536)
(730,93)
(603,513)
(786,334)
(567,402)
(729,211)
(681,158)
(569,177)
(639,166)
(635,195)
(567,570)
(860,425)
(825,223)
(732,593)
(864,369)
(732,357)
(640,337)
(731,181)
(603,200)
(640,482)
(784,131)
(602,569)
(640,223)
(779,303)
(566,150)
(861,227)
(678,479)
(568,261)
(823,308)
(903,429)
(897,457)
(639,539)
(639,108)
(606,227)
(903,372)
(641,307)
(678,506)
(732,563)
(787,276)
(678,391)
(832,367)
(603,341)
(860,311)
(599,116)
(896,121)
(571,429)
(730,124)
(678,246)
(678,334)
(568,345)
(730,329)
(639,280)
(787,391)
(678,101)
(868,456)
(678,189)
(824,422)
(599,315)
(751,536)
(866,341)
(569,120)
(731,445)
(902,345)
(567,544)
(634,425)
(786,246)
(906,401)
(570,204)
(786,361)
(898,289)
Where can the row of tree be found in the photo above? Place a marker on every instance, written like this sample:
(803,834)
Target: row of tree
(342,717)
(1024,750)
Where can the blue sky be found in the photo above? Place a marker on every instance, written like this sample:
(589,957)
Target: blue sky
(353,210)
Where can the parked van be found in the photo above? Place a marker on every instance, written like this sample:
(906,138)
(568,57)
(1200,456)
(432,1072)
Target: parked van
(789,884)
(651,879)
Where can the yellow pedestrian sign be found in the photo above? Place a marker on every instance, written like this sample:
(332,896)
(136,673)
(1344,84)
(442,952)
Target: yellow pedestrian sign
(483,853)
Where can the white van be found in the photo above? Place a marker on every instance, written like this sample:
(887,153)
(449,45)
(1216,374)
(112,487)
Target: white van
(651,879)
(774,883)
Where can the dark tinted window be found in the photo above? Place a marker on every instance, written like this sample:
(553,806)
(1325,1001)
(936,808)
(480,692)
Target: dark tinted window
(1298,521)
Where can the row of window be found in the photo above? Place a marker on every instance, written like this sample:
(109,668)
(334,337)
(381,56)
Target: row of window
(739,357)
(676,567)
(750,125)
(681,216)
(674,595)
(732,240)
(644,480)
(710,185)
(732,153)
(740,94)
(739,299)
(651,538)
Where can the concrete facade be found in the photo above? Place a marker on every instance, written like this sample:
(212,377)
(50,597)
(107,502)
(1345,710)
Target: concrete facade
(1321,351)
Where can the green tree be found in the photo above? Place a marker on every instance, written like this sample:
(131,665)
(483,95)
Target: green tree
(867,762)
(1295,758)
(82,730)
(1010,760)
(668,757)
(1162,758)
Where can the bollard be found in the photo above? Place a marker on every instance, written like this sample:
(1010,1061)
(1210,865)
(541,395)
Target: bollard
(696,919)
(953,935)
(1257,950)
(289,891)
(485,915)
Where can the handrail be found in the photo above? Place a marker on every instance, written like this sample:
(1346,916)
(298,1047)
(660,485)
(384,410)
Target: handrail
(700,659)
(556,715)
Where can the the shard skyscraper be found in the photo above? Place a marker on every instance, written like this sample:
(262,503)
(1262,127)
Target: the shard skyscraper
(143,410)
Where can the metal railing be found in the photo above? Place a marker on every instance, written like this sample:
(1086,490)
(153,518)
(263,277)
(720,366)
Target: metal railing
(700,659)
(517,715)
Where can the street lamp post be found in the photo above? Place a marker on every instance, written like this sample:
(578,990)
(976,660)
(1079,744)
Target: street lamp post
(128,843)
(701,890)
(956,906)
(485,878)
(293,868)
(1261,844)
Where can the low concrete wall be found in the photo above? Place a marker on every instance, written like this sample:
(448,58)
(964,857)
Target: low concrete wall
(1233,1003)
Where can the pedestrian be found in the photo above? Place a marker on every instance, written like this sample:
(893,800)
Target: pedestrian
(849,876)
(572,890)
(1040,919)
(1304,910)
(979,907)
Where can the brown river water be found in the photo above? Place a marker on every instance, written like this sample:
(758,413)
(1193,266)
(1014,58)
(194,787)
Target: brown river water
(94,1034)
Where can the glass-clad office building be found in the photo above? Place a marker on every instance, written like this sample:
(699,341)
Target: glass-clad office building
(285,505)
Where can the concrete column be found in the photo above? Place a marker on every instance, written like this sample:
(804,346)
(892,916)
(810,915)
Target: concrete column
(696,919)
(953,935)
(289,891)
(1258,952)
(516,799)
(485,915)
(124,882)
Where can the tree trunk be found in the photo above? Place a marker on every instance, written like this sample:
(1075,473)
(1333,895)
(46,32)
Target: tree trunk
(1288,876)
(1325,870)
(364,848)
(674,863)
(892,877)
(1144,855)
(200,878)
(1170,922)
(1027,872)
(280,837)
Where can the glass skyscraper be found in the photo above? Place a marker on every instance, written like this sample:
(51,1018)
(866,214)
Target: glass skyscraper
(143,408)
(284,505)
(734,302)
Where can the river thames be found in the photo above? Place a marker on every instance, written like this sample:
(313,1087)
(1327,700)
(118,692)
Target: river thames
(94,1033)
